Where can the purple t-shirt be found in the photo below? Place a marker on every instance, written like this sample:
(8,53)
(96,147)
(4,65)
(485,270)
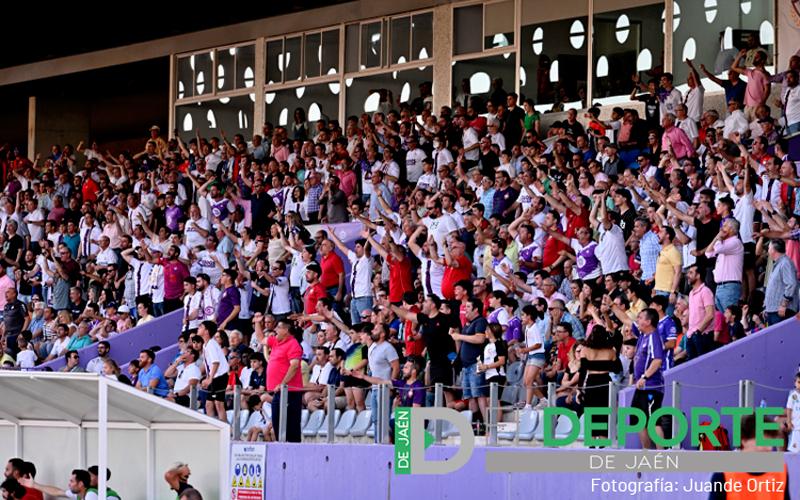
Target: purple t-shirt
(410,394)
(513,330)
(173,214)
(649,347)
(586,262)
(230,298)
(526,254)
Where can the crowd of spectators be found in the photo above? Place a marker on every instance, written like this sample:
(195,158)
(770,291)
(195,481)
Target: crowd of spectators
(592,251)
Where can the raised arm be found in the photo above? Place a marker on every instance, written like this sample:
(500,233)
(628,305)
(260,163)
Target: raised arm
(377,246)
(711,76)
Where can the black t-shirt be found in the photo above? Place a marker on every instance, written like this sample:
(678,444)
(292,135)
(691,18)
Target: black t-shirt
(705,234)
(258,380)
(626,222)
(13,246)
(14,317)
(77,309)
(258,302)
(435,333)
(469,351)
(651,108)
(574,129)
(513,127)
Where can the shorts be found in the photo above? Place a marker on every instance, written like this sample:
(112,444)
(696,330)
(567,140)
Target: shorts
(351,381)
(535,359)
(750,255)
(216,391)
(647,400)
(441,374)
(473,382)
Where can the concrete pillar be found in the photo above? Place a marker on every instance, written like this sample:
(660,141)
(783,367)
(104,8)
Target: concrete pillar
(442,53)
(56,120)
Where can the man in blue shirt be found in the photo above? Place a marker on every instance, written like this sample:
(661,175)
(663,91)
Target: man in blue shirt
(150,375)
(469,344)
(667,329)
(648,364)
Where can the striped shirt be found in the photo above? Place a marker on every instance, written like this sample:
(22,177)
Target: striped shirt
(782,285)
(649,250)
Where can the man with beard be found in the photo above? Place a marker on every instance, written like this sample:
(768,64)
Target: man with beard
(175,270)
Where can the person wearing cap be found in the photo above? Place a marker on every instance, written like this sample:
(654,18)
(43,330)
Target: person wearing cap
(124,319)
(161,146)
(611,160)
(768,130)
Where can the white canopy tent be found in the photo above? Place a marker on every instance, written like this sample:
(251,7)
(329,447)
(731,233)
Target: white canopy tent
(64,421)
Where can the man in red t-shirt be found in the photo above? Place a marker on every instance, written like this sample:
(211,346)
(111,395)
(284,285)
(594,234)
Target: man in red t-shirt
(283,367)
(400,278)
(413,338)
(552,246)
(332,270)
(458,267)
(315,290)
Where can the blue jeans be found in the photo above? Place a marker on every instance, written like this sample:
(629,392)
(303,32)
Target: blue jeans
(792,129)
(699,344)
(727,294)
(357,306)
(158,309)
(472,382)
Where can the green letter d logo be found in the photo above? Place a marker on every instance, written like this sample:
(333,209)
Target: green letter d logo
(420,439)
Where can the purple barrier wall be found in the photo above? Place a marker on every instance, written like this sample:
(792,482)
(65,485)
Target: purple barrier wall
(769,358)
(161,331)
(365,471)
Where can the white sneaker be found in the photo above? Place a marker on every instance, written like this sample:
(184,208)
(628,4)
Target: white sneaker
(542,404)
(527,408)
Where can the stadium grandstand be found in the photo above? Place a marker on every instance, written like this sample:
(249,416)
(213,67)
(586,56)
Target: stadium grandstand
(295,220)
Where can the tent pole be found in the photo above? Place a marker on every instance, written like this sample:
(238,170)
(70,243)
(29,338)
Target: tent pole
(151,462)
(17,440)
(102,438)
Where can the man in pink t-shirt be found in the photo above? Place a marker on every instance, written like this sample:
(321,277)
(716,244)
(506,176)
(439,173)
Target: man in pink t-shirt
(699,333)
(283,367)
(758,87)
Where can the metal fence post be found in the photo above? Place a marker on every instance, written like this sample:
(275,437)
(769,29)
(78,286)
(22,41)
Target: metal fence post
(438,402)
(613,404)
(676,403)
(746,394)
(283,408)
(237,412)
(386,412)
(193,398)
(331,412)
(551,402)
(377,392)
(494,406)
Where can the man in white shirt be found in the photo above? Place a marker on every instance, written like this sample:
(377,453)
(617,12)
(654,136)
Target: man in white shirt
(95,365)
(695,95)
(209,297)
(470,141)
(736,122)
(34,221)
(191,305)
(414,158)
(441,155)
(188,375)
(90,233)
(669,97)
(279,303)
(216,380)
(501,264)
(685,123)
(790,102)
(196,228)
(106,256)
(439,224)
(610,249)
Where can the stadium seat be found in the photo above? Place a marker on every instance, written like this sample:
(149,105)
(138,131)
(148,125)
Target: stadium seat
(323,429)
(371,430)
(580,433)
(244,416)
(303,417)
(448,430)
(514,373)
(345,423)
(540,428)
(362,424)
(315,421)
(528,421)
